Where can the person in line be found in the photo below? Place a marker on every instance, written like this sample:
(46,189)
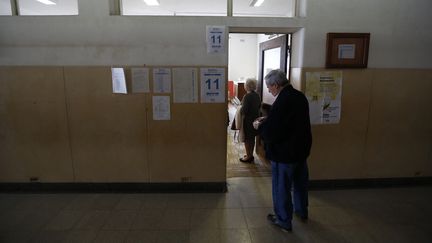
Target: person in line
(287,136)
(249,111)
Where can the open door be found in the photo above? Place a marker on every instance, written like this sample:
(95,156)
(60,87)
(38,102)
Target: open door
(273,54)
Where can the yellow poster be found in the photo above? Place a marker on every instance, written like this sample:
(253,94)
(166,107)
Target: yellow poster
(324,92)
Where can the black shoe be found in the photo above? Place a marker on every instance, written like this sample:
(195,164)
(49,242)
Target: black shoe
(250,160)
(272,219)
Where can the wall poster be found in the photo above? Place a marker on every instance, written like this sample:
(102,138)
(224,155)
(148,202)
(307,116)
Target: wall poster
(118,81)
(161,80)
(140,80)
(185,85)
(324,92)
(161,108)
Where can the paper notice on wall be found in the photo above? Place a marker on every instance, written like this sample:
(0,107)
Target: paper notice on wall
(324,92)
(161,108)
(185,85)
(215,36)
(140,80)
(212,85)
(118,81)
(346,51)
(161,80)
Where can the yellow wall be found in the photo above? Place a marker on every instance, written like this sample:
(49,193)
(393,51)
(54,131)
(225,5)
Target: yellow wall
(65,125)
(385,129)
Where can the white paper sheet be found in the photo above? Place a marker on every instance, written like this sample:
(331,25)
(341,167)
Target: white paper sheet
(346,51)
(185,85)
(140,80)
(215,36)
(161,108)
(161,80)
(118,81)
(212,85)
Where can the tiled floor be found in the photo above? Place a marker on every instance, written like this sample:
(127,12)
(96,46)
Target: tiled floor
(367,215)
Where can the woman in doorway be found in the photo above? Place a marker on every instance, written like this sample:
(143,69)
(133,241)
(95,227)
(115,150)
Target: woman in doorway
(250,109)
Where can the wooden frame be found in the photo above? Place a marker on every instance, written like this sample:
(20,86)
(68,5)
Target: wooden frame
(347,50)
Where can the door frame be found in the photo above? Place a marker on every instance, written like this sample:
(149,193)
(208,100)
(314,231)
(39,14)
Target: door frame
(288,31)
(283,43)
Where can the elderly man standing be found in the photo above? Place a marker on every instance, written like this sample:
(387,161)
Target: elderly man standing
(287,136)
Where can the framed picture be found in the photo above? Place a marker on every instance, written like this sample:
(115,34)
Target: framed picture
(347,50)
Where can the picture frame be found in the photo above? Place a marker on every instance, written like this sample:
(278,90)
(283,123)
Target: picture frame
(347,50)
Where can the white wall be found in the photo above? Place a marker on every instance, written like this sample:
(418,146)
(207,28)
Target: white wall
(400,35)
(242,62)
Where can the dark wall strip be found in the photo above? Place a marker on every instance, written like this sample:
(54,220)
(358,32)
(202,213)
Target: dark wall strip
(212,187)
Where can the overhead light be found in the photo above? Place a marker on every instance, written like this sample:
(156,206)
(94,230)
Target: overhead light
(47,2)
(256,3)
(152,2)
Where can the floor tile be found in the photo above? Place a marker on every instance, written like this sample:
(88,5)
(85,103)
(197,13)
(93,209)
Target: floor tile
(105,201)
(257,217)
(82,202)
(208,236)
(232,219)
(139,236)
(235,236)
(120,220)
(36,220)
(16,236)
(65,220)
(176,219)
(173,236)
(80,236)
(154,201)
(129,202)
(47,236)
(111,236)
(148,219)
(93,220)
(11,219)
(205,218)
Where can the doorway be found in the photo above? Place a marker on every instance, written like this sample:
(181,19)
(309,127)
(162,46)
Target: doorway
(251,55)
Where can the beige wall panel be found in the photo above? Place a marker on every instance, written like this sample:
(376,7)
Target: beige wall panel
(337,149)
(192,145)
(399,138)
(108,131)
(385,130)
(33,125)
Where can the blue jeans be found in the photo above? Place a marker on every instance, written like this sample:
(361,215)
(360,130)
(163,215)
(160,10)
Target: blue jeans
(285,177)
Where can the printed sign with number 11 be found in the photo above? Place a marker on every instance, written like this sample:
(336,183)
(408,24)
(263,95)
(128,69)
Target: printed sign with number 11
(215,39)
(212,85)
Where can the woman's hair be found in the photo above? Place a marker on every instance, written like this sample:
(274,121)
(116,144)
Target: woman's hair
(276,76)
(251,84)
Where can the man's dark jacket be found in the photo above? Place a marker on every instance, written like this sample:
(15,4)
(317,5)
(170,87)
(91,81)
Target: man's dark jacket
(286,131)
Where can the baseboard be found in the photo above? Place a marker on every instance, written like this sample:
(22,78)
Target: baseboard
(205,187)
(369,183)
